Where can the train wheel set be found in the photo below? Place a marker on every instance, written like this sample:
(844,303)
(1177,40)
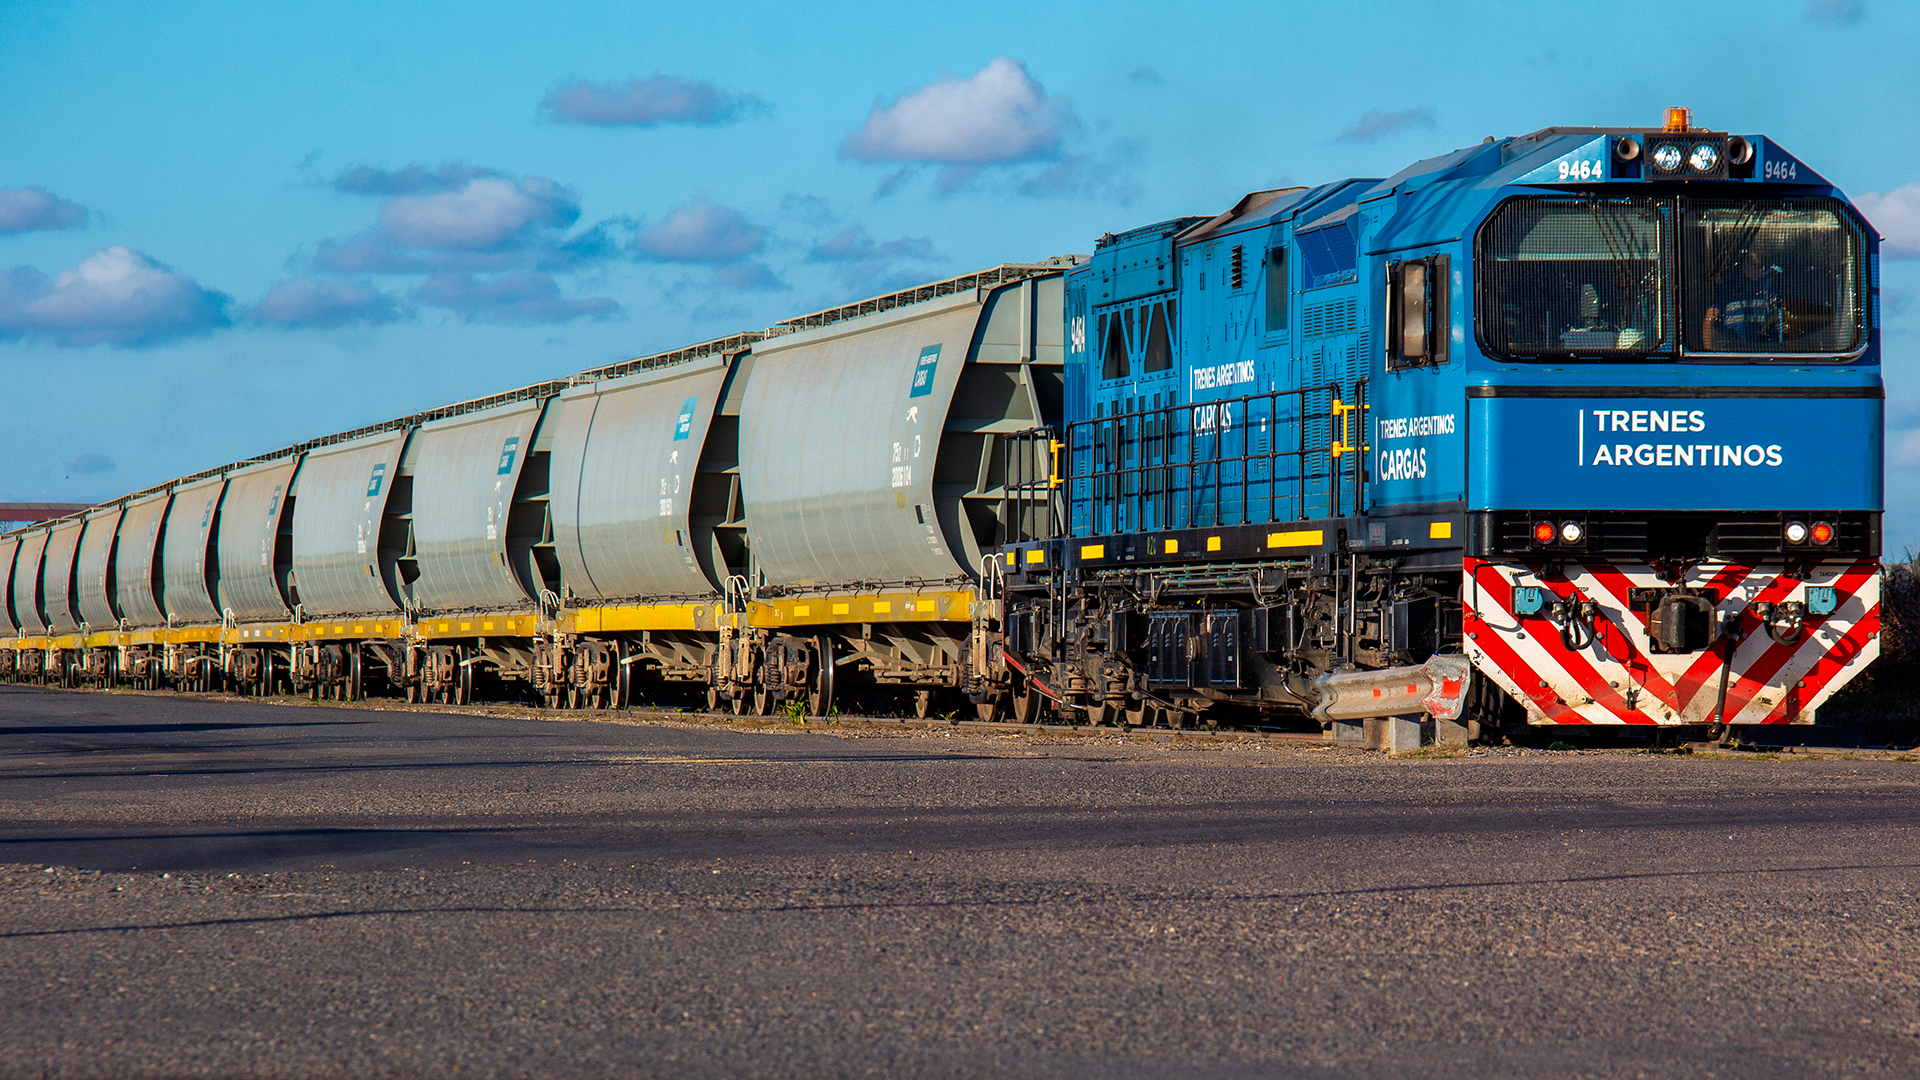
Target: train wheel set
(1538,435)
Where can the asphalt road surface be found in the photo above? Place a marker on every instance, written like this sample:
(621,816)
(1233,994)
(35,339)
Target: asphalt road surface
(245,889)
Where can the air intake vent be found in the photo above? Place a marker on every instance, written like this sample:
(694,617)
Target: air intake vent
(1237,268)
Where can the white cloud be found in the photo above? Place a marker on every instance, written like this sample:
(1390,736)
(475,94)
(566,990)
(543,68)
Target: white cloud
(27,209)
(1906,454)
(748,276)
(1835,11)
(700,231)
(520,297)
(662,99)
(117,296)
(1376,125)
(1896,214)
(998,116)
(852,244)
(305,302)
(484,214)
(410,180)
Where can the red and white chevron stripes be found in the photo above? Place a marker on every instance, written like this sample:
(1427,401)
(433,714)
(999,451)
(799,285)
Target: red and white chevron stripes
(1617,678)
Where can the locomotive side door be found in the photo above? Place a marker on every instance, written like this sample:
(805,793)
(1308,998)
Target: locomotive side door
(1415,433)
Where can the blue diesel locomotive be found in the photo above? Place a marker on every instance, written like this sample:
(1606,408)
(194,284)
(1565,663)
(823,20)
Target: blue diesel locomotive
(1597,411)
(1578,427)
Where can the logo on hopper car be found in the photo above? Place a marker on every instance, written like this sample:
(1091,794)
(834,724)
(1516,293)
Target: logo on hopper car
(509,451)
(378,477)
(1602,449)
(683,427)
(923,371)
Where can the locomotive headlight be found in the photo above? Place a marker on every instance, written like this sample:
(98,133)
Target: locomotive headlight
(1543,532)
(1822,533)
(1796,532)
(1572,532)
(1705,157)
(1667,157)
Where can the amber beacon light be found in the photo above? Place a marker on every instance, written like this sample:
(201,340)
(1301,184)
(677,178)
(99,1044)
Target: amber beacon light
(1679,118)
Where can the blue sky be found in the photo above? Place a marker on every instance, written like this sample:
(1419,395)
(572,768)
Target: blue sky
(225,228)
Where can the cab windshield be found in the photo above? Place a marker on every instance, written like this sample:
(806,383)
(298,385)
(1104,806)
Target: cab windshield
(1771,278)
(1607,278)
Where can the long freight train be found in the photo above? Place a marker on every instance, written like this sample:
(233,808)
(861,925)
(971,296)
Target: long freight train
(1578,427)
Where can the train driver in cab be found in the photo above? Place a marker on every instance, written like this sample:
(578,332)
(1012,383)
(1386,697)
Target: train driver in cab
(1746,304)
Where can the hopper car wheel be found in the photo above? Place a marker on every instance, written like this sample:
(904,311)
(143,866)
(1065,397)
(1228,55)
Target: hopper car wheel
(713,699)
(922,704)
(352,685)
(738,704)
(573,697)
(762,701)
(413,693)
(991,710)
(620,695)
(463,677)
(1026,705)
(820,693)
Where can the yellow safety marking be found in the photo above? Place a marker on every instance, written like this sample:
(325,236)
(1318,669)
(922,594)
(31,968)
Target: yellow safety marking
(1093,551)
(1173,547)
(1037,555)
(1213,543)
(487,625)
(446,626)
(1440,530)
(882,607)
(801,611)
(1301,538)
(360,628)
(1009,558)
(466,626)
(842,609)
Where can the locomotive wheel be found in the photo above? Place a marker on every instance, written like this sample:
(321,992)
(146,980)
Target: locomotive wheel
(1139,713)
(1103,713)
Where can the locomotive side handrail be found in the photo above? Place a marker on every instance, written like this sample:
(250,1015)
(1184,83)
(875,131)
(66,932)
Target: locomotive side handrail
(1198,465)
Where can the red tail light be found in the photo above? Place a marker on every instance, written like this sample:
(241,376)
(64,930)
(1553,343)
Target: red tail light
(1544,532)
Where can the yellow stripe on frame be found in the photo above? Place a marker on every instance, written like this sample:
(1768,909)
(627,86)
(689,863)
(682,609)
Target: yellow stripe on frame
(1173,547)
(1037,555)
(1440,530)
(1301,538)
(1213,543)
(1093,551)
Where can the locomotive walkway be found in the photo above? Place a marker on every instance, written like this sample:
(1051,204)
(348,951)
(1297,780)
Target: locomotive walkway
(239,888)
